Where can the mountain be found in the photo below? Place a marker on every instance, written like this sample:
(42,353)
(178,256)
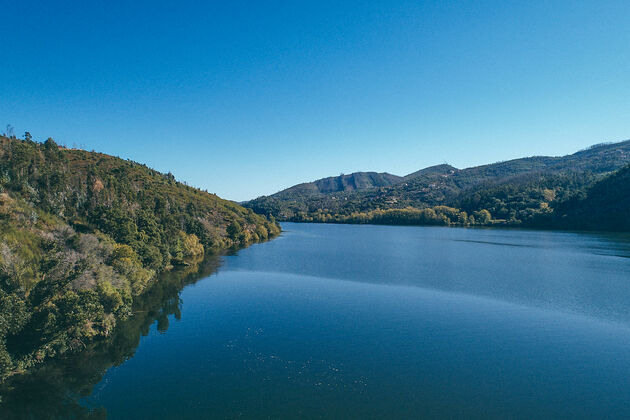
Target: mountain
(280,204)
(83,234)
(513,191)
(443,169)
(354,182)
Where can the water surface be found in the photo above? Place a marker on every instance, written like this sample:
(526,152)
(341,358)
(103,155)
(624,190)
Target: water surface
(387,322)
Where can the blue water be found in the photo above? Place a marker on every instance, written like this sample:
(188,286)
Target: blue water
(392,322)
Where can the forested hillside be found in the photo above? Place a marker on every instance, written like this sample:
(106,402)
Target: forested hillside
(603,206)
(83,233)
(514,192)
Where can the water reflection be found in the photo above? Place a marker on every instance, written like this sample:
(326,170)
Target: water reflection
(366,322)
(55,389)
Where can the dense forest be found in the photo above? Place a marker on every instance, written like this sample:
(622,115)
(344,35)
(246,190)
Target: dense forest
(603,206)
(540,191)
(84,234)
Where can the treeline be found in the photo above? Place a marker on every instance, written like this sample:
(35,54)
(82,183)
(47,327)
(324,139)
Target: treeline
(83,234)
(434,216)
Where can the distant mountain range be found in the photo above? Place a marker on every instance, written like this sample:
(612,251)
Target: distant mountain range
(514,192)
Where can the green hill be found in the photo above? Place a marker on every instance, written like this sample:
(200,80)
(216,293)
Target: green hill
(443,169)
(513,192)
(83,233)
(603,206)
(354,182)
(357,181)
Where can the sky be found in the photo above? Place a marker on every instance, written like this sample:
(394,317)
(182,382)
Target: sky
(246,98)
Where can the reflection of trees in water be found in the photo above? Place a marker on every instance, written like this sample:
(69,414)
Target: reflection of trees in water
(53,390)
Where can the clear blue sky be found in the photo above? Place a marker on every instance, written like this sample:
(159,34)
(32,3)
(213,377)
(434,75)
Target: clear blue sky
(247,98)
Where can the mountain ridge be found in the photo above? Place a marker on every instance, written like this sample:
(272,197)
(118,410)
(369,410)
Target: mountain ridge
(350,182)
(445,185)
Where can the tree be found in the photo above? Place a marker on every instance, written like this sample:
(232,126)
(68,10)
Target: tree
(483,217)
(234,230)
(50,145)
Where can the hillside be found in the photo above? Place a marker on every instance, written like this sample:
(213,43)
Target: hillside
(82,234)
(604,206)
(443,169)
(353,182)
(514,191)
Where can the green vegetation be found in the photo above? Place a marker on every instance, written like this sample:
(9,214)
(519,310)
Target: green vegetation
(603,206)
(523,192)
(434,216)
(83,235)
(58,384)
